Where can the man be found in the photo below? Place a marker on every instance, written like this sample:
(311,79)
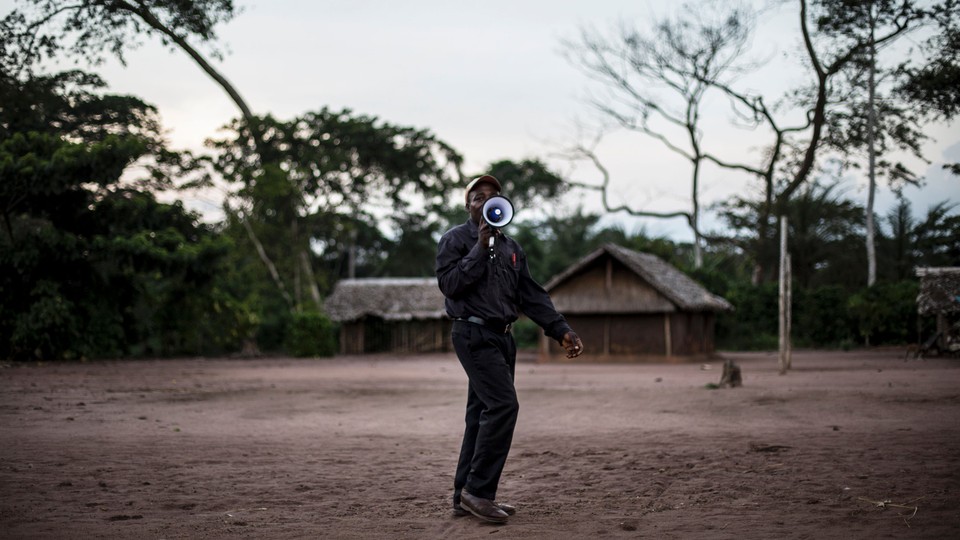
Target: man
(484,288)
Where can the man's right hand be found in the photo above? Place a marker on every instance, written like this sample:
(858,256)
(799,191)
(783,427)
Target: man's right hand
(486,232)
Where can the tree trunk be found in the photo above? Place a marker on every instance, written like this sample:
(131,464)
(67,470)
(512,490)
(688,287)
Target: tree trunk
(783,324)
(297,289)
(311,278)
(272,268)
(872,165)
(788,318)
(143,12)
(146,16)
(695,217)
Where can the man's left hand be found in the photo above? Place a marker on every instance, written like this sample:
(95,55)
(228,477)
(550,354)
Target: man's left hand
(572,344)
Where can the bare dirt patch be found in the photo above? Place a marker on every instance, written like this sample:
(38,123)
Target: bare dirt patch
(847,445)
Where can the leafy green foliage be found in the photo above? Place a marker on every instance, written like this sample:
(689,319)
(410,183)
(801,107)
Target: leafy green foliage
(319,195)
(753,324)
(935,85)
(899,122)
(89,30)
(90,267)
(885,313)
(528,183)
(526,333)
(311,334)
(340,161)
(820,318)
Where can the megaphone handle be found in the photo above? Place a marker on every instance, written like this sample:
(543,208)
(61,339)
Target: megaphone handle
(490,243)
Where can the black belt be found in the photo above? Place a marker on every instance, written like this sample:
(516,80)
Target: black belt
(497,327)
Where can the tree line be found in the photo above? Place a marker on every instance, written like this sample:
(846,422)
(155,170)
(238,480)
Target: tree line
(93,265)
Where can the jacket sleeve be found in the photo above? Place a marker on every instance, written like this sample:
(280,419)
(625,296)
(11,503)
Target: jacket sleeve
(536,304)
(458,266)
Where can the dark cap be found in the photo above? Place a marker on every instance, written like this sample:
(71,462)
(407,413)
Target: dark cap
(480,180)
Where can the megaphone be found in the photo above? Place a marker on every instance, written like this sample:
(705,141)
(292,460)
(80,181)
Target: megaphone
(497,212)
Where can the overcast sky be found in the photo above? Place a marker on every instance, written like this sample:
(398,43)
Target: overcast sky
(486,77)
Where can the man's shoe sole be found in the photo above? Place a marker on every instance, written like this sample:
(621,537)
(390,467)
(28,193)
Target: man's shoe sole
(490,519)
(459,511)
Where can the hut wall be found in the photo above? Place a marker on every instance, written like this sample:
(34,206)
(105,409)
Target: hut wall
(608,287)
(635,337)
(616,335)
(421,336)
(691,334)
(351,337)
(375,335)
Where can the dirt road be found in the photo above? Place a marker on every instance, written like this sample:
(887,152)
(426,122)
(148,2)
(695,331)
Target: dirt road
(847,445)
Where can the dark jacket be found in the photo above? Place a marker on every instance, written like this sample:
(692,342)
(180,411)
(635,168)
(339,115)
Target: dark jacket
(492,288)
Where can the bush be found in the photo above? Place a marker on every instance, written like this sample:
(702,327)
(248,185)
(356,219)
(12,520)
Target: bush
(526,333)
(885,313)
(825,316)
(753,323)
(820,318)
(311,334)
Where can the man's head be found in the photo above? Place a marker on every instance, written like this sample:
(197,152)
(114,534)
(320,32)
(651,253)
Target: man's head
(477,192)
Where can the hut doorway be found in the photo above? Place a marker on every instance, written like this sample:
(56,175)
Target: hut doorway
(377,335)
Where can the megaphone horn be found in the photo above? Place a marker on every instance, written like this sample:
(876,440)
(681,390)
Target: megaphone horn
(497,212)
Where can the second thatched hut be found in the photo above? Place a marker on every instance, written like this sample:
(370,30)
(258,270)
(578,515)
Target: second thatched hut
(632,306)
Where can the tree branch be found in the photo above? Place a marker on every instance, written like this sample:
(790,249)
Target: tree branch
(585,153)
(262,253)
(144,13)
(735,166)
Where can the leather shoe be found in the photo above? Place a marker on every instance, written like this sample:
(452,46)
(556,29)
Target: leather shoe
(484,509)
(509,509)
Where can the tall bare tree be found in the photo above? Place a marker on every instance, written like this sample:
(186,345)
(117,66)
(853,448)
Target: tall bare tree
(655,81)
(835,41)
(790,159)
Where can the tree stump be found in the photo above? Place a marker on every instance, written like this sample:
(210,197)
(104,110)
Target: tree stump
(731,375)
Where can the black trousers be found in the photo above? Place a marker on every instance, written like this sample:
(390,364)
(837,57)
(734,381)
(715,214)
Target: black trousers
(489,359)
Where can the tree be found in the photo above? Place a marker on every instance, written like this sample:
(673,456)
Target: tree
(823,226)
(937,237)
(529,183)
(333,169)
(92,265)
(831,56)
(414,253)
(866,28)
(935,83)
(898,249)
(681,56)
(91,29)
(825,230)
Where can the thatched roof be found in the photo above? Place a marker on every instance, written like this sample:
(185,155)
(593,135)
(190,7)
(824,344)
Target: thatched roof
(939,290)
(677,287)
(392,299)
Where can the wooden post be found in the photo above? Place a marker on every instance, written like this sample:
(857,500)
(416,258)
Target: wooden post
(942,332)
(666,334)
(783,296)
(789,314)
(606,336)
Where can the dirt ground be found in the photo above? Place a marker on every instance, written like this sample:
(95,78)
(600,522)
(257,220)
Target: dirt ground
(846,445)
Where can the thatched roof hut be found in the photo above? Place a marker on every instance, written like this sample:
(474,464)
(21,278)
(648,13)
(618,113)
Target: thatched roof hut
(628,305)
(940,296)
(939,290)
(389,314)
